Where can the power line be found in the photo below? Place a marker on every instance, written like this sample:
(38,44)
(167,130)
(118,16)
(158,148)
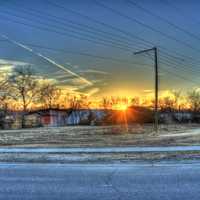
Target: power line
(133,3)
(84,54)
(178,10)
(177,75)
(130,35)
(62,33)
(103,57)
(182,66)
(112,59)
(173,60)
(175,66)
(167,62)
(72,30)
(175,69)
(146,26)
(97,32)
(67,21)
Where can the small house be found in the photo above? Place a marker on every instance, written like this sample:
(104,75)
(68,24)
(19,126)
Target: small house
(86,117)
(47,117)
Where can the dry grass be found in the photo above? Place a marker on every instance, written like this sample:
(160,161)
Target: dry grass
(98,136)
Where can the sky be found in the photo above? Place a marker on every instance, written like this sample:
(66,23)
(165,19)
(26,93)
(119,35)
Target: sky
(88,46)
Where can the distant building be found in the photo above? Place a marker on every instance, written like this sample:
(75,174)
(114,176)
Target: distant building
(176,116)
(68,117)
(64,117)
(47,117)
(12,120)
(86,117)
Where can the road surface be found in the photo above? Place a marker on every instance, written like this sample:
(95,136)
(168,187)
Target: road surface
(104,182)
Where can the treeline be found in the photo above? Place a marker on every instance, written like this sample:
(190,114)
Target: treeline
(173,101)
(24,90)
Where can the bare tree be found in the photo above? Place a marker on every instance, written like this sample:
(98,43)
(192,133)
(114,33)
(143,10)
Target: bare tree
(177,97)
(25,88)
(135,101)
(105,103)
(4,88)
(194,99)
(76,105)
(166,103)
(79,102)
(49,94)
(4,98)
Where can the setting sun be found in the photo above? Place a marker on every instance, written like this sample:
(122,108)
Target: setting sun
(120,107)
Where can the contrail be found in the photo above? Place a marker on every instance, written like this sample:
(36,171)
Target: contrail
(47,59)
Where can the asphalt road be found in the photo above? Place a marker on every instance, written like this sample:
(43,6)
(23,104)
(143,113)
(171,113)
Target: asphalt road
(104,182)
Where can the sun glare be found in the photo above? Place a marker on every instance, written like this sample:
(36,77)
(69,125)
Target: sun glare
(121,107)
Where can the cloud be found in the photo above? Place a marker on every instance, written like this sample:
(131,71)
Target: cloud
(62,76)
(147,91)
(102,81)
(7,66)
(161,74)
(83,80)
(92,71)
(77,81)
(197,89)
(12,62)
(73,81)
(69,88)
(75,66)
(93,91)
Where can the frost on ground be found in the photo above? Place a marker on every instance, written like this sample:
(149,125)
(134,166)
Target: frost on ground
(99,136)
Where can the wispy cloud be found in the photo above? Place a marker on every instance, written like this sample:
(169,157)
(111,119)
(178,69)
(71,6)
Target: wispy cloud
(75,82)
(7,66)
(161,74)
(83,80)
(92,71)
(197,89)
(93,91)
(75,66)
(148,91)
(63,76)
(6,62)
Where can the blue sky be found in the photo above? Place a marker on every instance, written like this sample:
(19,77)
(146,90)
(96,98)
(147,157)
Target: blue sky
(100,32)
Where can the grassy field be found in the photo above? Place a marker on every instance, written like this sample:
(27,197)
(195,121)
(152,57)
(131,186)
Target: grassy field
(99,136)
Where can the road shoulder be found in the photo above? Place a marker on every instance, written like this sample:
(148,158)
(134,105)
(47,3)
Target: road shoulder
(99,155)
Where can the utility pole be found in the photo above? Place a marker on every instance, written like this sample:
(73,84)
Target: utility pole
(156,82)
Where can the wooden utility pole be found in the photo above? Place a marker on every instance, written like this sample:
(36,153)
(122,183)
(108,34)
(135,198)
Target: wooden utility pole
(156,82)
